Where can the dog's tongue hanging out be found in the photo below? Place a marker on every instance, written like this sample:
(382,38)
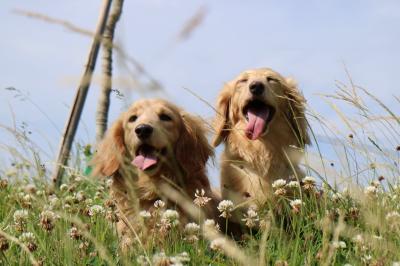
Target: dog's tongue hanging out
(144,160)
(257,118)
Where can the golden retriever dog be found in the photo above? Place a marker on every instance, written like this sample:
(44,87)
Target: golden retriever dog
(152,144)
(261,120)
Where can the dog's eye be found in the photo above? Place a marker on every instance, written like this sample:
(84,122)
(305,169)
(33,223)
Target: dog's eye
(243,80)
(165,117)
(272,80)
(132,118)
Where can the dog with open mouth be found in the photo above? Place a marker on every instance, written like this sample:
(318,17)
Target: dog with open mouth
(155,143)
(261,120)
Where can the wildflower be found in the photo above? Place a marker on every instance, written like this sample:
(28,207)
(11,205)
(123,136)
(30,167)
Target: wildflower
(30,188)
(26,201)
(74,233)
(47,219)
(3,183)
(251,218)
(109,182)
(218,244)
(225,207)
(159,204)
(337,197)
(211,226)
(160,259)
(29,240)
(200,198)
(393,216)
(339,244)
(353,213)
(63,187)
(192,230)
(296,204)
(371,190)
(180,259)
(145,214)
(309,183)
(293,184)
(4,245)
(358,239)
(281,263)
(141,260)
(375,183)
(95,210)
(279,183)
(171,216)
(54,201)
(20,219)
(80,196)
(111,216)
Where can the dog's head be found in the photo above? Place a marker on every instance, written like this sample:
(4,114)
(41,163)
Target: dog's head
(154,135)
(258,100)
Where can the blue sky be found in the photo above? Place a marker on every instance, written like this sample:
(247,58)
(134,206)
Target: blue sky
(308,40)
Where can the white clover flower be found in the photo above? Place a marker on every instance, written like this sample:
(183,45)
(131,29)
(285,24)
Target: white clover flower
(337,196)
(200,198)
(64,187)
(20,216)
(339,244)
(296,204)
(211,226)
(218,244)
(54,201)
(225,207)
(279,183)
(171,217)
(192,228)
(309,180)
(109,182)
(180,259)
(27,237)
(393,216)
(293,184)
(159,204)
(375,183)
(358,239)
(96,210)
(30,188)
(80,196)
(160,259)
(251,218)
(145,214)
(370,190)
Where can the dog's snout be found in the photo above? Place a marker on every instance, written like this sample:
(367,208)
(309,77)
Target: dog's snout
(143,131)
(256,88)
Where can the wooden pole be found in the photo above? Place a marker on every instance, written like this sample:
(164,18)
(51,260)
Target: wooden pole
(80,97)
(103,103)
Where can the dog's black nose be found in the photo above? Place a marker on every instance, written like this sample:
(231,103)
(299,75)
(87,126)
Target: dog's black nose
(256,88)
(143,131)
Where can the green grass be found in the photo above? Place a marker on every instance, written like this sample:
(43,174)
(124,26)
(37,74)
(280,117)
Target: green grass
(350,215)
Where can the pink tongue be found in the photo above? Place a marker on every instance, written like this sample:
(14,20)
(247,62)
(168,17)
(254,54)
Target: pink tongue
(256,124)
(144,161)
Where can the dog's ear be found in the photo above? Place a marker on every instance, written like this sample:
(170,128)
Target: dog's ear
(221,120)
(110,152)
(296,112)
(192,149)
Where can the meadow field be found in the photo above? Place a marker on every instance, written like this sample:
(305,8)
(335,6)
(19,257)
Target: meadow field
(345,212)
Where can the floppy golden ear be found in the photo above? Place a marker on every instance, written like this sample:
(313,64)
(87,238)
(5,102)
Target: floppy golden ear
(296,112)
(110,152)
(192,149)
(221,120)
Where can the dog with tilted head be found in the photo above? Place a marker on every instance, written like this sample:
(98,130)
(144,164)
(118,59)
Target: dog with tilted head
(261,120)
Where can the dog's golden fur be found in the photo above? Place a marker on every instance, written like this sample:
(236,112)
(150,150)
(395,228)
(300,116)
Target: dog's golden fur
(179,142)
(248,167)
